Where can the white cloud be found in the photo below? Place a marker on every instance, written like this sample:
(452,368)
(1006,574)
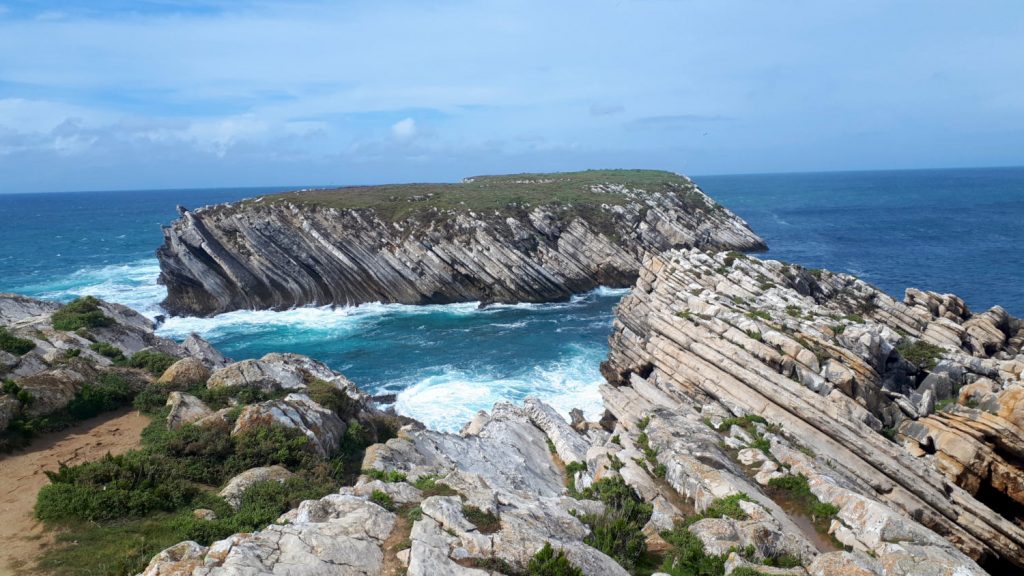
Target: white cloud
(404,130)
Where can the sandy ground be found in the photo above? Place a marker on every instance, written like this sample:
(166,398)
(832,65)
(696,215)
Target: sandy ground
(21,477)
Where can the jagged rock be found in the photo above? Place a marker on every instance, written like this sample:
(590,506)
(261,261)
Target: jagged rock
(845,564)
(343,536)
(735,561)
(400,492)
(185,409)
(281,372)
(570,446)
(745,340)
(289,252)
(198,348)
(236,487)
(322,426)
(184,374)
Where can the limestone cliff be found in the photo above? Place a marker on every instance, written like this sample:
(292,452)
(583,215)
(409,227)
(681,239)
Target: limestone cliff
(531,238)
(891,410)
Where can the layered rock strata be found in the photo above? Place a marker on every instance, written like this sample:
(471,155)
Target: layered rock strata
(847,380)
(298,249)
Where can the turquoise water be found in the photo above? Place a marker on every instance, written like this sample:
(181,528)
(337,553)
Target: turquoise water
(951,230)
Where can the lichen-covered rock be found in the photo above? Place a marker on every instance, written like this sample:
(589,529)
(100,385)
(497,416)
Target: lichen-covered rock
(236,487)
(322,426)
(185,409)
(184,374)
(280,372)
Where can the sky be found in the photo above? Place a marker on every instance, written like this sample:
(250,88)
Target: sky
(146,94)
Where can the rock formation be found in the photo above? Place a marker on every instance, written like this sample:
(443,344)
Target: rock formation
(495,239)
(847,381)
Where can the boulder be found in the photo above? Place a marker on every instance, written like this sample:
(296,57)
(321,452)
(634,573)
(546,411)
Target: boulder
(185,409)
(185,374)
(322,426)
(236,487)
(199,348)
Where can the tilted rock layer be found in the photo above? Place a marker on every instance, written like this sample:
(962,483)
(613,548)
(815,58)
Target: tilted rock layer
(849,380)
(535,239)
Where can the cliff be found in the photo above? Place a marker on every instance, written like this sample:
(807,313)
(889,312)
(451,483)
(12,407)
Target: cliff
(891,410)
(530,237)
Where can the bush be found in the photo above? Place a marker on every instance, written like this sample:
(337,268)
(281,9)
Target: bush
(152,361)
(80,313)
(109,392)
(797,489)
(431,487)
(108,350)
(14,345)
(151,399)
(330,397)
(485,522)
(266,445)
(921,354)
(688,557)
(382,499)
(617,532)
(385,475)
(549,562)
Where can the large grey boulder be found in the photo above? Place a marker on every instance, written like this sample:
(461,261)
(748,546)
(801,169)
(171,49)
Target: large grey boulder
(236,487)
(322,426)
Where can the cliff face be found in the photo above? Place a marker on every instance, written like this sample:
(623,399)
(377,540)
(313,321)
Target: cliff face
(533,238)
(891,410)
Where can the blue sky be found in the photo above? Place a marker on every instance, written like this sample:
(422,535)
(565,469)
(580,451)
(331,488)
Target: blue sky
(124,94)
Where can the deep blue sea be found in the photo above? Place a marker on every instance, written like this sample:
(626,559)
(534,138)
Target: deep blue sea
(959,231)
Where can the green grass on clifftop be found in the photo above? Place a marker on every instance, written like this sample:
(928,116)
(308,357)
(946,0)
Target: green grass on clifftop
(395,202)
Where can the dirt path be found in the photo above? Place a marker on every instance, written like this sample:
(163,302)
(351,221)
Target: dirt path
(21,477)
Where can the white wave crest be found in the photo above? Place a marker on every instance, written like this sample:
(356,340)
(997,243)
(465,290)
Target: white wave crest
(132,284)
(447,400)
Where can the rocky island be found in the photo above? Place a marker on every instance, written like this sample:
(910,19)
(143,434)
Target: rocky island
(517,238)
(760,418)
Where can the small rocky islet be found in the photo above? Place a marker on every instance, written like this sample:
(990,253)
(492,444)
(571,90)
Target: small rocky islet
(761,418)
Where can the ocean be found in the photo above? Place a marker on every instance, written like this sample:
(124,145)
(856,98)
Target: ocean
(957,231)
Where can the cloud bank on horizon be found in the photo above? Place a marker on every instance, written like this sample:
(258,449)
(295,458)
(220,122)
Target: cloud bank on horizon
(116,94)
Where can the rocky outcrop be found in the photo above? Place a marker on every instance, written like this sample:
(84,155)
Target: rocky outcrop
(276,371)
(846,380)
(185,409)
(55,364)
(323,427)
(234,490)
(461,242)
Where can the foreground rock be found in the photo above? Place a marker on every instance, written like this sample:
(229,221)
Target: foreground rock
(408,246)
(836,368)
(49,365)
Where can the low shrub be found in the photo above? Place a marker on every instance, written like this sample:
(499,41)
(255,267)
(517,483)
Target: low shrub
(618,531)
(920,353)
(485,522)
(385,475)
(151,399)
(80,313)
(687,557)
(152,361)
(12,344)
(550,562)
(431,487)
(382,499)
(797,489)
(108,350)
(330,397)
(109,392)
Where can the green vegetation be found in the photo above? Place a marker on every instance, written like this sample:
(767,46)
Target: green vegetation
(920,353)
(793,310)
(108,392)
(549,562)
(140,502)
(152,361)
(485,522)
(431,487)
(571,469)
(80,313)
(755,314)
(108,350)
(382,499)
(13,345)
(617,532)
(329,396)
(385,475)
(732,256)
(796,489)
(574,191)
